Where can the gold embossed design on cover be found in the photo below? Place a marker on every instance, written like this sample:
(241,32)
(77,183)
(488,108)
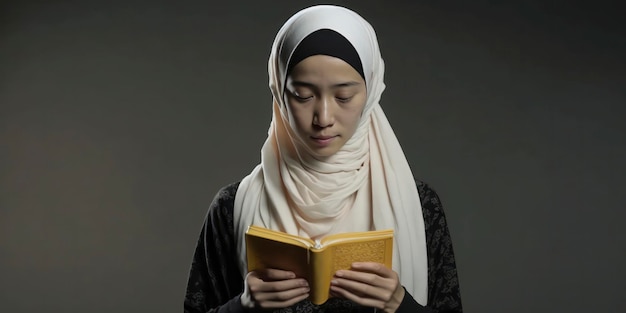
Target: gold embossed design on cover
(346,254)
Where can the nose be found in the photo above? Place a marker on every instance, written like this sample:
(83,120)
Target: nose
(324,115)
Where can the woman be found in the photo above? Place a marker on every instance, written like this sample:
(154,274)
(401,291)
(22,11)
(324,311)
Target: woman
(331,164)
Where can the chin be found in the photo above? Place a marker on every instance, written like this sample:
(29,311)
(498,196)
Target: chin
(323,152)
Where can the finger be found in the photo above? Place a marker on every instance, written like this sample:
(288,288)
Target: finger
(363,277)
(276,274)
(371,267)
(363,301)
(277,286)
(365,290)
(281,296)
(281,304)
(253,276)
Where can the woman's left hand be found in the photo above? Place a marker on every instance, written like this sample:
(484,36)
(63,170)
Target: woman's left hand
(369,284)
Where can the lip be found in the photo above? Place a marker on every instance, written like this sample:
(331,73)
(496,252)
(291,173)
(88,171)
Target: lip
(323,140)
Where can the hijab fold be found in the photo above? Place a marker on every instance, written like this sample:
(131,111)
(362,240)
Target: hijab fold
(366,185)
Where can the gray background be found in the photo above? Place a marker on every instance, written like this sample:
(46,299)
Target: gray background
(119,121)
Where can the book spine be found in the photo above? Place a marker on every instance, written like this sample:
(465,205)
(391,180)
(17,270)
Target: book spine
(320,275)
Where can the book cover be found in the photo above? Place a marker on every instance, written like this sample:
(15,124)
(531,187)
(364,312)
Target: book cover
(316,261)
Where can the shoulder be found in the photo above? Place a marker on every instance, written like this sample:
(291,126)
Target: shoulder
(432,208)
(428,195)
(223,202)
(226,194)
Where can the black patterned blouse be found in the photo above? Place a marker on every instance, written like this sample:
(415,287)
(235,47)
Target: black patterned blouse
(215,282)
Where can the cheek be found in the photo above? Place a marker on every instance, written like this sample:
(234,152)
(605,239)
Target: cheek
(298,117)
(354,122)
(354,117)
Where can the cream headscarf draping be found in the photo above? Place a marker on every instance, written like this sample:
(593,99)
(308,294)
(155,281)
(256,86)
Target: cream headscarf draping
(366,185)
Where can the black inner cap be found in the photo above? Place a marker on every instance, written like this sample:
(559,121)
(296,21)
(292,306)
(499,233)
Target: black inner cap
(326,42)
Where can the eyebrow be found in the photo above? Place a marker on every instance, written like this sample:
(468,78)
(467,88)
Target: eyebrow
(298,83)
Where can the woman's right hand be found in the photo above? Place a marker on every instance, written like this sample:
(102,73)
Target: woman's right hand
(274,289)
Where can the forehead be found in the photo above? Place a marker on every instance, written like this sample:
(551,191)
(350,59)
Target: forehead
(324,68)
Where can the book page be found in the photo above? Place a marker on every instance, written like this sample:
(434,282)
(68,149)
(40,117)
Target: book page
(275,235)
(265,253)
(341,238)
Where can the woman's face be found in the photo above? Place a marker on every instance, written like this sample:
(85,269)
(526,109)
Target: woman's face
(325,98)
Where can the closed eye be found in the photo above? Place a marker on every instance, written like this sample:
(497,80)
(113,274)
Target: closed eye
(344,99)
(303,98)
(300,98)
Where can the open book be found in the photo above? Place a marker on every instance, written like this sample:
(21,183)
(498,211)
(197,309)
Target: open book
(316,261)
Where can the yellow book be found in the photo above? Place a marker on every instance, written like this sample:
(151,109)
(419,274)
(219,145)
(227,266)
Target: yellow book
(316,261)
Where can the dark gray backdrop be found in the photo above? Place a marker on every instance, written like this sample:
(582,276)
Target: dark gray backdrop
(120,120)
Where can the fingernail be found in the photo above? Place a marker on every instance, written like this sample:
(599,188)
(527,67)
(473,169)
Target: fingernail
(334,282)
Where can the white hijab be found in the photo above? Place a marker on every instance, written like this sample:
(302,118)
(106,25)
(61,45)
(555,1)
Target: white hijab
(366,185)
